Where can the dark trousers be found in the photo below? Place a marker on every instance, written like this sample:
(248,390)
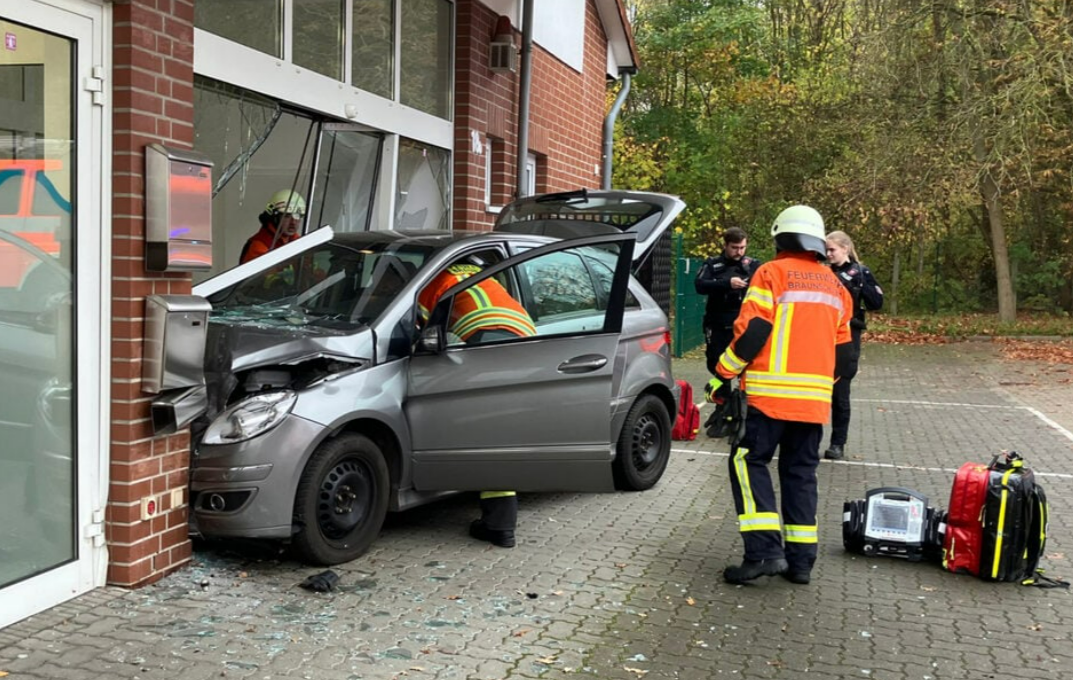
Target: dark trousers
(840,411)
(798,445)
(840,408)
(499,510)
(716,339)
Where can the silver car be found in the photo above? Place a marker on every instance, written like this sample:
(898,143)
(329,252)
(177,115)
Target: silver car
(333,399)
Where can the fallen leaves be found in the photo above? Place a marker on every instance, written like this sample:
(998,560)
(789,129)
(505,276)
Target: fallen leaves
(1042,351)
(635,671)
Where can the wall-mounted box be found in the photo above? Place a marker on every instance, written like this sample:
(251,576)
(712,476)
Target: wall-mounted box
(176,327)
(178,210)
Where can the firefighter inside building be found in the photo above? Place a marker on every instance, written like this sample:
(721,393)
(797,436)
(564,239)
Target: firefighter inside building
(791,342)
(281,221)
(724,279)
(483,313)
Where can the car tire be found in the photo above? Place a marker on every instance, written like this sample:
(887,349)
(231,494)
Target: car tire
(644,445)
(341,500)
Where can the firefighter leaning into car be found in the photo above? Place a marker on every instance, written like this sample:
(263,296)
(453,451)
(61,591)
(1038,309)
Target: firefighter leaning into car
(280,221)
(867,294)
(483,312)
(791,342)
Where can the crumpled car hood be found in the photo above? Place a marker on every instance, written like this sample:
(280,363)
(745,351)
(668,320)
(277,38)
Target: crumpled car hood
(234,344)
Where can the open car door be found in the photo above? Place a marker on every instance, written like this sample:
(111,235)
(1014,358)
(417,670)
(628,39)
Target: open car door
(524,412)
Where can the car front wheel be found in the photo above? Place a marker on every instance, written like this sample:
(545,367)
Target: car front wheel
(644,446)
(341,500)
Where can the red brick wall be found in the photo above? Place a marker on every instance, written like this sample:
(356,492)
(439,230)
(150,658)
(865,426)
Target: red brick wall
(566,115)
(152,98)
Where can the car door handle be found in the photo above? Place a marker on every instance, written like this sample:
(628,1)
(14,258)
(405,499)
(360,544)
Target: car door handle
(583,364)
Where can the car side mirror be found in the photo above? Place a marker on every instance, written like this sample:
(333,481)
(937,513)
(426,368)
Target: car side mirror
(432,339)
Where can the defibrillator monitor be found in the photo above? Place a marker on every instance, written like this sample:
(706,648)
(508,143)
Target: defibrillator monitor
(895,515)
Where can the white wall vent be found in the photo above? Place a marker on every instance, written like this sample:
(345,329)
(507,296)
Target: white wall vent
(502,57)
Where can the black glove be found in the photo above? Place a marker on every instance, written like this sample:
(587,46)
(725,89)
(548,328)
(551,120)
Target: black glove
(717,390)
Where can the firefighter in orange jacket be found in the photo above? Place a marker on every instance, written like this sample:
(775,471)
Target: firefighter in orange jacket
(280,222)
(791,342)
(482,313)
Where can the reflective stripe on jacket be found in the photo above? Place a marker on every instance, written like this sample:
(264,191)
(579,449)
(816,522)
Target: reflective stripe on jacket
(805,312)
(485,306)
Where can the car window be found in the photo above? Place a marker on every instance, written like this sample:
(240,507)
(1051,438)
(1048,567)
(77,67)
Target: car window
(565,297)
(329,286)
(561,284)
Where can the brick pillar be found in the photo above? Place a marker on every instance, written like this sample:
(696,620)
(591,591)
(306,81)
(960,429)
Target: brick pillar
(153,96)
(486,104)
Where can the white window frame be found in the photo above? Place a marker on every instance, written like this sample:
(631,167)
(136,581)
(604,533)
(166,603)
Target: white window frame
(89,25)
(489,174)
(530,174)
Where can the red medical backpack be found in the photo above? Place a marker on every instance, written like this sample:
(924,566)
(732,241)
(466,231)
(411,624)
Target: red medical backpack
(687,422)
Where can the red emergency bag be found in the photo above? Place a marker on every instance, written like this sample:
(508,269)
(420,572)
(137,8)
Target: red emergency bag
(962,544)
(687,422)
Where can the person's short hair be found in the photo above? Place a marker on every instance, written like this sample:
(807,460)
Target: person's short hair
(734,235)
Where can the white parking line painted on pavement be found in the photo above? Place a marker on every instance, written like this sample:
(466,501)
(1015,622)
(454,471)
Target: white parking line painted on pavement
(934,403)
(861,463)
(1053,425)
(1065,433)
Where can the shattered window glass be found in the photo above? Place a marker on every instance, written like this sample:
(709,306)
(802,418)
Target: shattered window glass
(423,188)
(257,148)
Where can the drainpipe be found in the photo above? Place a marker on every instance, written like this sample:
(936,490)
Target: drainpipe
(524,80)
(609,128)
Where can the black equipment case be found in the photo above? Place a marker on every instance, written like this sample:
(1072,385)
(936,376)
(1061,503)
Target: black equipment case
(893,521)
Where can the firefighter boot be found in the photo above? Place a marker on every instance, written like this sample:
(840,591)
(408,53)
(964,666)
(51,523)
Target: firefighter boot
(799,576)
(499,516)
(752,569)
(835,452)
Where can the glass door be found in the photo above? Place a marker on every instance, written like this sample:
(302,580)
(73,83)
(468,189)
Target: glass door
(46,145)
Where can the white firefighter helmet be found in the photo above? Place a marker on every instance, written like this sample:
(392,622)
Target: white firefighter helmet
(800,228)
(286,201)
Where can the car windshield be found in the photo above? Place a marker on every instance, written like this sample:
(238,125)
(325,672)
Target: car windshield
(332,286)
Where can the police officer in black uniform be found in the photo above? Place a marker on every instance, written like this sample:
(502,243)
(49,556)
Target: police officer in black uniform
(867,295)
(724,279)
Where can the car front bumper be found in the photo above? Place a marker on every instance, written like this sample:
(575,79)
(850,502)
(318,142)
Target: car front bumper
(247,489)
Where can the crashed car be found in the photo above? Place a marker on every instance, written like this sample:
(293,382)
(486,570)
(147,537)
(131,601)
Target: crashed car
(332,399)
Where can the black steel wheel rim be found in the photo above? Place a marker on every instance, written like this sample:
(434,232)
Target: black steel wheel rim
(344,498)
(647,441)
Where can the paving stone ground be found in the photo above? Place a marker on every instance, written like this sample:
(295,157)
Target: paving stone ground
(629,585)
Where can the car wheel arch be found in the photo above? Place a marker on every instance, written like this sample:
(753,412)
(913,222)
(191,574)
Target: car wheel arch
(385,437)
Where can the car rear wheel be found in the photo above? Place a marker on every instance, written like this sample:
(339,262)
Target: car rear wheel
(341,500)
(644,446)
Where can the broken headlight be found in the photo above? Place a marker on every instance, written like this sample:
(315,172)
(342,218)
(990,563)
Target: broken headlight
(250,417)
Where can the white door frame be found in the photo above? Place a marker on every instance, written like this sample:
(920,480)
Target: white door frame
(86,22)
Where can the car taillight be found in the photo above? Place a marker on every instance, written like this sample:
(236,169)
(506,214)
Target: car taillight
(656,345)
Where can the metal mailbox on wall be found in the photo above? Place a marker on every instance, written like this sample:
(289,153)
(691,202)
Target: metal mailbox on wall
(178,210)
(176,327)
